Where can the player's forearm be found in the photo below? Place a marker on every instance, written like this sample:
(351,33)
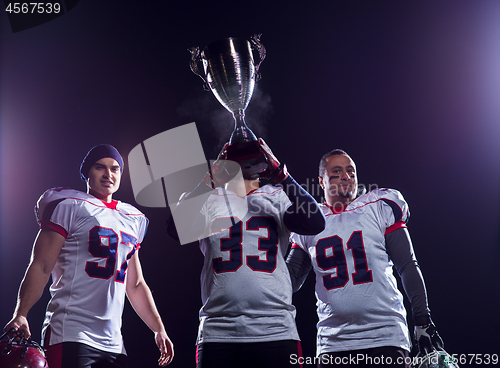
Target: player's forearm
(187,214)
(142,301)
(304,215)
(299,265)
(400,250)
(413,283)
(31,289)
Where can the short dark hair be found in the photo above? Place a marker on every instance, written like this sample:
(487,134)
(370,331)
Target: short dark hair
(322,162)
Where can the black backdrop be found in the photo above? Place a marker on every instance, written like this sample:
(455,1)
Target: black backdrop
(409,88)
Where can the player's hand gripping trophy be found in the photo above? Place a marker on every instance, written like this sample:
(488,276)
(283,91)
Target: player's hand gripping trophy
(231,74)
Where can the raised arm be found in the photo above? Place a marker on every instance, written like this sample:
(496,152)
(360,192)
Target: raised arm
(304,215)
(195,222)
(46,249)
(188,210)
(142,301)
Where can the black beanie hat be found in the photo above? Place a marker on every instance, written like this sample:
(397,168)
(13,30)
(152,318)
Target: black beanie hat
(95,154)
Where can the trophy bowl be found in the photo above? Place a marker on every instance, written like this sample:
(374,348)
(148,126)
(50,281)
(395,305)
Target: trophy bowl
(230,72)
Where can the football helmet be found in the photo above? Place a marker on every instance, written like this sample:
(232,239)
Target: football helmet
(434,359)
(18,352)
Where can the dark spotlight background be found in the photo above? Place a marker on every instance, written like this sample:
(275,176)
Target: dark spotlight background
(411,89)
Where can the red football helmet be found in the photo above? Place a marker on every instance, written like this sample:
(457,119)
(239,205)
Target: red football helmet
(18,352)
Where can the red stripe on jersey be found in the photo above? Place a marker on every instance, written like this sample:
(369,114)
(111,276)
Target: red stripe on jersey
(197,355)
(299,349)
(256,191)
(339,209)
(397,225)
(55,227)
(296,246)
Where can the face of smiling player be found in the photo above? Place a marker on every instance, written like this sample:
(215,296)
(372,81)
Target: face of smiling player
(339,181)
(104,179)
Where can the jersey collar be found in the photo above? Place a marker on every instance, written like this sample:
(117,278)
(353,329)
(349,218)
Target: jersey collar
(337,209)
(112,205)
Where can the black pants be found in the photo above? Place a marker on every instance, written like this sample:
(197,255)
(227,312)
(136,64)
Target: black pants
(272,354)
(77,355)
(387,356)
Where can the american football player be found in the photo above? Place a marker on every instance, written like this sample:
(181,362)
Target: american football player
(359,306)
(89,242)
(247,318)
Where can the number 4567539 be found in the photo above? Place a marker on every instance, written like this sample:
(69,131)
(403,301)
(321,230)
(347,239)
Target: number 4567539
(475,358)
(33,8)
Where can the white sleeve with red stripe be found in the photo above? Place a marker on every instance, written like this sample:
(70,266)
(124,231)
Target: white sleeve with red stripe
(61,219)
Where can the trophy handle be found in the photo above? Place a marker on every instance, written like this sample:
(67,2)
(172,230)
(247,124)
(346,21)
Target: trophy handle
(256,44)
(195,58)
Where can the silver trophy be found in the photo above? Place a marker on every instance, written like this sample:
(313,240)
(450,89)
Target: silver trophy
(231,73)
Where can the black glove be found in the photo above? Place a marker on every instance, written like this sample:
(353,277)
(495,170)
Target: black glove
(428,339)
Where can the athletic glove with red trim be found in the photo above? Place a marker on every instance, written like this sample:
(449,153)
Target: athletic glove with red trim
(276,171)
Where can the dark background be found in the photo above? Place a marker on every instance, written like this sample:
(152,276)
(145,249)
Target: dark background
(410,89)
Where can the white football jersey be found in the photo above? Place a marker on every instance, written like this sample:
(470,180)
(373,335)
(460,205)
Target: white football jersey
(358,303)
(89,277)
(246,287)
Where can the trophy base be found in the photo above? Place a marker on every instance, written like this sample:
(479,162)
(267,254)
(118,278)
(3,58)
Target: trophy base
(250,157)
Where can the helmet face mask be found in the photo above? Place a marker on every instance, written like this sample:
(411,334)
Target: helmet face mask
(17,352)
(435,359)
